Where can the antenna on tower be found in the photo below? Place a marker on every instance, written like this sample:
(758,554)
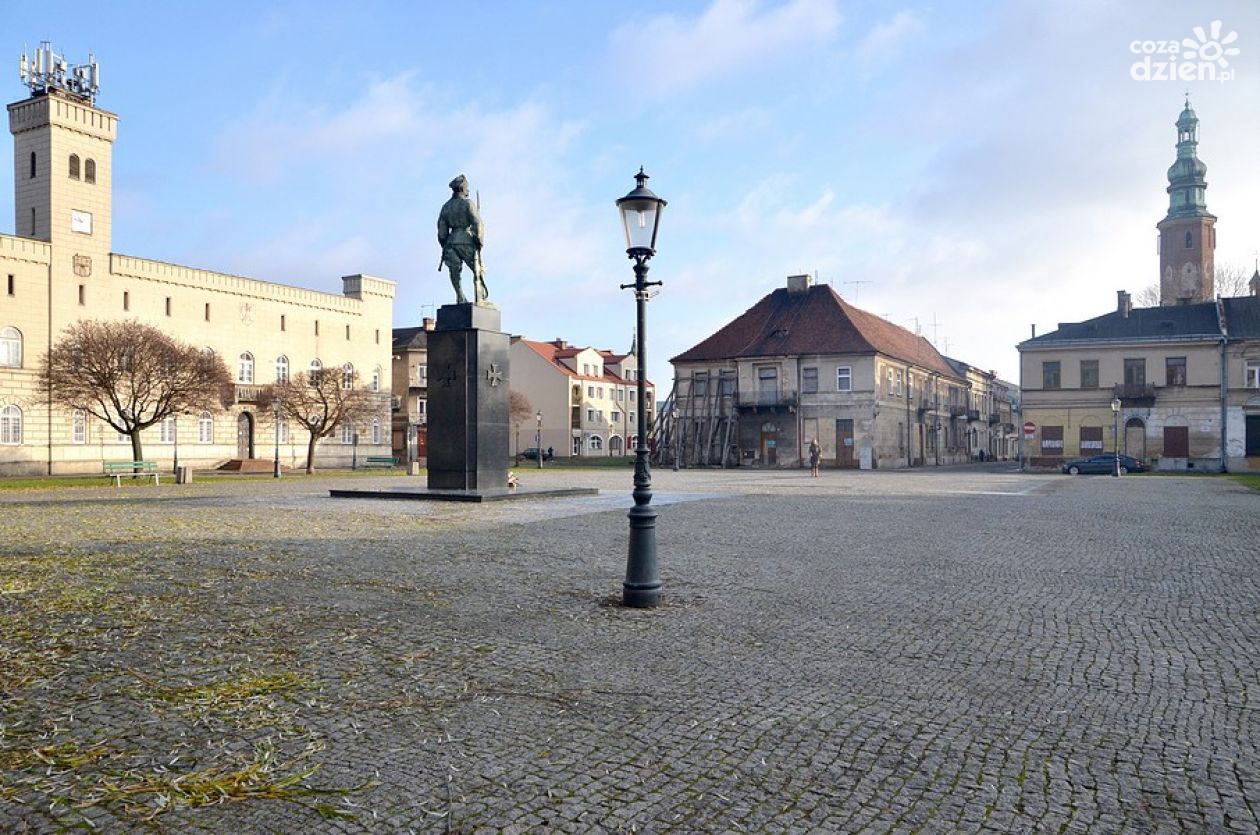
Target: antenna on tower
(46,71)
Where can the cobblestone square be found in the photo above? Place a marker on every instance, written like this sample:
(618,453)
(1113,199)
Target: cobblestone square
(954,650)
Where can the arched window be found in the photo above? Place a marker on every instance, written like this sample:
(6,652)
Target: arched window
(282,369)
(376,378)
(10,425)
(166,430)
(74,166)
(376,430)
(282,432)
(1189,240)
(347,376)
(10,348)
(245,371)
(597,443)
(32,165)
(317,372)
(78,426)
(89,171)
(205,428)
(347,433)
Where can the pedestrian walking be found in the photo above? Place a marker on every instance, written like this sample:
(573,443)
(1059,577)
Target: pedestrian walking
(815,456)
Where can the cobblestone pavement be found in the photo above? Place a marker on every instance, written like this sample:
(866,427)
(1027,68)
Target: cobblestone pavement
(960,650)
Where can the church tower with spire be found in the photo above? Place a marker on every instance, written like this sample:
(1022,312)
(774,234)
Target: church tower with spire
(1187,234)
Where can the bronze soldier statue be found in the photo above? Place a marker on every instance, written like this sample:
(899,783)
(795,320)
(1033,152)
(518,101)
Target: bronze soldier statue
(459,231)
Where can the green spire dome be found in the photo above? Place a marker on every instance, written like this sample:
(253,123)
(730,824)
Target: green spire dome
(1187,177)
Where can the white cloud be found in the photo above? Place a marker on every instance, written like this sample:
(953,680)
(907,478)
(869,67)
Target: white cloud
(361,183)
(670,54)
(885,41)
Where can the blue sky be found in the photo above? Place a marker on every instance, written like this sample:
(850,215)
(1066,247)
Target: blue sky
(983,166)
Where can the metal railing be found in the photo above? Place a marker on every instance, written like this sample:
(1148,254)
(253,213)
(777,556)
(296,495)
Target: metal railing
(766,399)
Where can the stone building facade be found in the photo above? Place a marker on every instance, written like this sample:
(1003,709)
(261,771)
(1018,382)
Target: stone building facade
(803,364)
(411,392)
(60,267)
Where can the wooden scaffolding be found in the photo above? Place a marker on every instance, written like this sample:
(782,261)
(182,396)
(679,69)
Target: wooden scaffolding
(699,424)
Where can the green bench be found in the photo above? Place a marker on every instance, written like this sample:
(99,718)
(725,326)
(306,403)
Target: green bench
(118,469)
(380,461)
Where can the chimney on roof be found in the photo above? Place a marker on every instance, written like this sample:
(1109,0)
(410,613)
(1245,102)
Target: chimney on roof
(1034,331)
(798,283)
(1124,303)
(427,322)
(560,343)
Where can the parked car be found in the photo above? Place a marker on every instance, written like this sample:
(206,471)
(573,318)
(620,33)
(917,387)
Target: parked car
(1105,463)
(531,454)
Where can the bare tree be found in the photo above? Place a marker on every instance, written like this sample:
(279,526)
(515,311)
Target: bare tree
(321,401)
(1229,280)
(1147,297)
(519,410)
(1232,280)
(131,376)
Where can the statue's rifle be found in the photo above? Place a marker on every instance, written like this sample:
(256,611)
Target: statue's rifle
(481,267)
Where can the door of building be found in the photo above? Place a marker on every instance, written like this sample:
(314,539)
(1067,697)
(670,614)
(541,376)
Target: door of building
(844,443)
(770,444)
(1135,438)
(245,435)
(1176,441)
(422,443)
(1253,436)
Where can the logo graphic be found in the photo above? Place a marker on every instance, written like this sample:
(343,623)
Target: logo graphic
(1205,57)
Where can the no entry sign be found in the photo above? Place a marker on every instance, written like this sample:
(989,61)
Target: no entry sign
(1030,429)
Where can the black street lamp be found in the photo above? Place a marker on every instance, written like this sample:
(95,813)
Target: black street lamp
(538,439)
(640,218)
(1115,434)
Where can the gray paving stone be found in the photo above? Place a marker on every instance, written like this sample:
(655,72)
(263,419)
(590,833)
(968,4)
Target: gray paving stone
(959,650)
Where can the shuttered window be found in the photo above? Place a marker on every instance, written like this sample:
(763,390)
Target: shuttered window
(1052,440)
(1176,442)
(1091,440)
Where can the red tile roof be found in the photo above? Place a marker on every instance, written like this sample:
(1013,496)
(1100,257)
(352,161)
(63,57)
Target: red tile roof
(816,321)
(553,353)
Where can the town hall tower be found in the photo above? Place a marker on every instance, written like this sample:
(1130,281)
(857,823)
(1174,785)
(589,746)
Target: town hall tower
(1187,235)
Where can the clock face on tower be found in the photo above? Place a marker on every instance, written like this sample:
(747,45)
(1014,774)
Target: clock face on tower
(1189,279)
(81,222)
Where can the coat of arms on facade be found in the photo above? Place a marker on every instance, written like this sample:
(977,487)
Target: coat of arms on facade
(247,313)
(83,265)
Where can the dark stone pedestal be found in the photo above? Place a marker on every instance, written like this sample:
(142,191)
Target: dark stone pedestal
(468,400)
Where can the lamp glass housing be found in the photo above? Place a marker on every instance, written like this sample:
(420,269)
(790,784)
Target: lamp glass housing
(641,217)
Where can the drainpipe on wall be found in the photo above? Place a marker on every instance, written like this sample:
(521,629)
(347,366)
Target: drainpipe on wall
(1224,406)
(909,444)
(1019,423)
(800,417)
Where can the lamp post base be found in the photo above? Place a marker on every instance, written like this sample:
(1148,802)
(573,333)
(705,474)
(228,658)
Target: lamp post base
(642,587)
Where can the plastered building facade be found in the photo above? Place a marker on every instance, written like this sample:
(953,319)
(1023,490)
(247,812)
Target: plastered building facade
(1184,377)
(804,365)
(588,398)
(60,267)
